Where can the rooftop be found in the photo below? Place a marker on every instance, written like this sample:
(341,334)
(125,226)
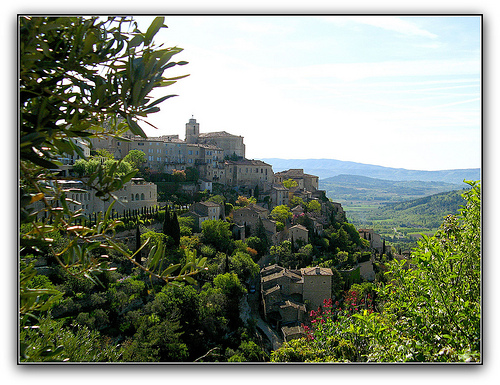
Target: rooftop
(249,162)
(316,271)
(217,134)
(299,227)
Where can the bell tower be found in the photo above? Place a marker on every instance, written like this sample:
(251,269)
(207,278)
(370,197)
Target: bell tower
(192,131)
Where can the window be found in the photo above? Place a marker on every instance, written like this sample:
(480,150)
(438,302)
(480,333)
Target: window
(137,196)
(158,159)
(140,144)
(142,196)
(131,197)
(151,158)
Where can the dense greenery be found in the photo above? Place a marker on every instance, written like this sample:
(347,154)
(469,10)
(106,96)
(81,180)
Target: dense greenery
(428,311)
(130,317)
(80,77)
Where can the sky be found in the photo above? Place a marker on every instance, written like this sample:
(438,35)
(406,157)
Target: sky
(396,91)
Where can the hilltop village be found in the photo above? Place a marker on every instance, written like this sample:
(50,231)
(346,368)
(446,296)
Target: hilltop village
(286,208)
(169,249)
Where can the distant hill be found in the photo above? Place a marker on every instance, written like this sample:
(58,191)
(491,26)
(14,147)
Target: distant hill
(427,212)
(361,188)
(326,168)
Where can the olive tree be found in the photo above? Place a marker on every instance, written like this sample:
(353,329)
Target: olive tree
(82,77)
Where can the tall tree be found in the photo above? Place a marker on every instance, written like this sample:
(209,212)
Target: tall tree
(166,222)
(136,158)
(175,230)
(138,258)
(79,77)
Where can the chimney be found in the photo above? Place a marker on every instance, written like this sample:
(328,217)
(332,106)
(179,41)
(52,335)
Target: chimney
(318,270)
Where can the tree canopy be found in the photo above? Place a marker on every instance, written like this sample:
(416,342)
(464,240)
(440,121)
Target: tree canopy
(81,77)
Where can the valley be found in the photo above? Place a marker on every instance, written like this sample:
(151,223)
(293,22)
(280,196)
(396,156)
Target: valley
(397,210)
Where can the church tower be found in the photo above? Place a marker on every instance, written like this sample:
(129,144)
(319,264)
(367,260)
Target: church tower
(192,131)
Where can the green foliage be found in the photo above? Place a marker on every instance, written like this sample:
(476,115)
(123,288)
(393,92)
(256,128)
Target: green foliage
(217,233)
(314,206)
(244,201)
(422,215)
(290,183)
(136,158)
(429,308)
(296,201)
(65,100)
(258,244)
(243,265)
(281,213)
(51,341)
(156,340)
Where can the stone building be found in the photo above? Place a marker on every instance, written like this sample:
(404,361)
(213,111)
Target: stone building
(304,181)
(229,143)
(279,196)
(298,233)
(203,211)
(285,291)
(249,173)
(250,215)
(134,195)
(375,240)
(317,285)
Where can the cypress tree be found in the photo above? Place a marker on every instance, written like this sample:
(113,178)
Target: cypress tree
(260,232)
(138,258)
(175,230)
(166,222)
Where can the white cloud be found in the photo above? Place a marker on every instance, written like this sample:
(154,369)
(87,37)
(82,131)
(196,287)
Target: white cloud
(392,23)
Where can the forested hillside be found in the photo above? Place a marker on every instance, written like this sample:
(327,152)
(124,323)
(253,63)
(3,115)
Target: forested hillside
(427,212)
(349,188)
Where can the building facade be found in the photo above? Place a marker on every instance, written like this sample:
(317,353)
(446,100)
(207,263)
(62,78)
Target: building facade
(304,181)
(249,173)
(136,194)
(317,285)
